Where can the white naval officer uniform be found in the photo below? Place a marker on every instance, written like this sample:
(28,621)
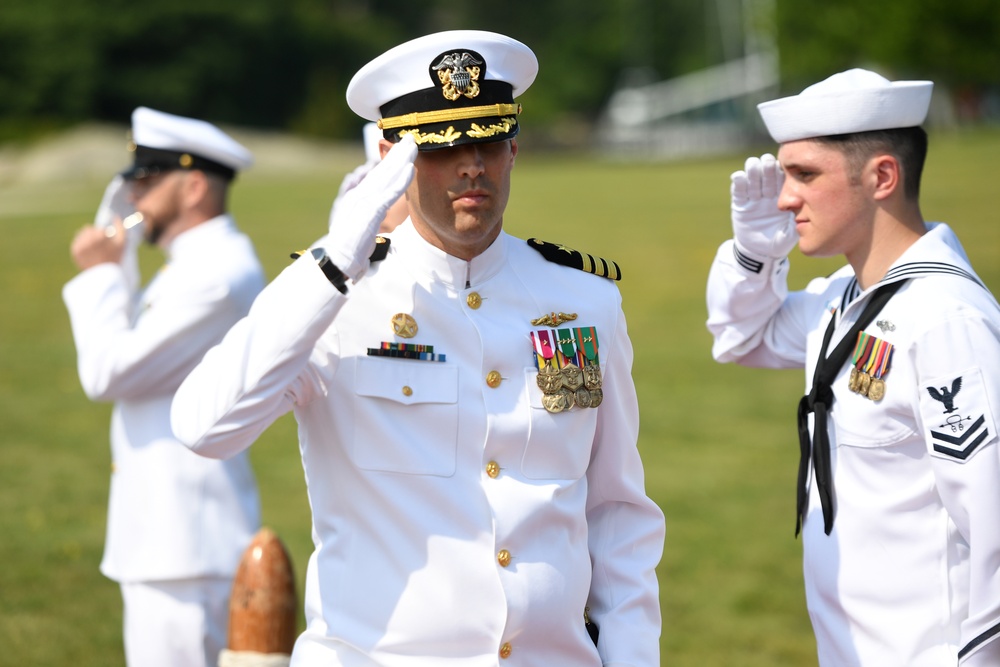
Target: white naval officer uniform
(908,576)
(172,515)
(456,521)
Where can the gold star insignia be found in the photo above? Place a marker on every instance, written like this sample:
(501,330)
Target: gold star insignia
(404,326)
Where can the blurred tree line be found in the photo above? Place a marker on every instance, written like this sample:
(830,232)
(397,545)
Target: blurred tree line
(955,43)
(285,64)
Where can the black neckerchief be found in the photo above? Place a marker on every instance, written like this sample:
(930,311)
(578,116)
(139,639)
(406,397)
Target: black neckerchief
(820,400)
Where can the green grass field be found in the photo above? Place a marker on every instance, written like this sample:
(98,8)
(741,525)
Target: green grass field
(718,441)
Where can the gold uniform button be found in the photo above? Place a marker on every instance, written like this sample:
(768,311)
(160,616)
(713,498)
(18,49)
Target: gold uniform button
(503,558)
(493,379)
(493,469)
(474,300)
(407,391)
(506,650)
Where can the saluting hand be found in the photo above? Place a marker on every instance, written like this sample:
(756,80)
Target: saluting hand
(357,213)
(95,245)
(759,226)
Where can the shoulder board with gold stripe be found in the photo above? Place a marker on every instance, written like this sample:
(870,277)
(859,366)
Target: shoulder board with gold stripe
(381,250)
(560,254)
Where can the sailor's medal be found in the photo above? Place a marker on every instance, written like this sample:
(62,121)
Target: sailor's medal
(551,403)
(870,363)
(596,397)
(557,402)
(549,378)
(879,367)
(572,374)
(586,342)
(877,389)
(866,382)
(854,382)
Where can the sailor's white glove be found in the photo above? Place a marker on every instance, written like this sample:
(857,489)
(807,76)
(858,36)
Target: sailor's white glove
(352,179)
(759,226)
(357,213)
(114,204)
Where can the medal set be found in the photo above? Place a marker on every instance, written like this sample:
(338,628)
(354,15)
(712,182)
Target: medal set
(870,364)
(569,371)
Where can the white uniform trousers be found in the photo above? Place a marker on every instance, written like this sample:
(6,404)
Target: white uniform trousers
(176,623)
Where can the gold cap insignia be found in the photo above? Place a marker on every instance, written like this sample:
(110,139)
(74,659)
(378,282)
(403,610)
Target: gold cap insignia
(459,75)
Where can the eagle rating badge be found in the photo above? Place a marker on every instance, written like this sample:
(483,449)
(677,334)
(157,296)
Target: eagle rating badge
(956,415)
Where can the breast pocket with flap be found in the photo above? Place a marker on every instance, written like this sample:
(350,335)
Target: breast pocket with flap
(406,416)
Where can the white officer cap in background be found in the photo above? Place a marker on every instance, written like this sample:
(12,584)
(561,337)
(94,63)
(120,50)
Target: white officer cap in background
(372,136)
(853,101)
(446,89)
(162,142)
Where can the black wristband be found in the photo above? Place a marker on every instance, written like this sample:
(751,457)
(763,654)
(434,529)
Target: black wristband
(330,270)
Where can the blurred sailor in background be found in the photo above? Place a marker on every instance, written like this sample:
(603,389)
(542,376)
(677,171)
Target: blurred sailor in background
(177,523)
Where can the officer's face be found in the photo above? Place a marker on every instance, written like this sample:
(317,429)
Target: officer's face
(458,195)
(833,213)
(157,198)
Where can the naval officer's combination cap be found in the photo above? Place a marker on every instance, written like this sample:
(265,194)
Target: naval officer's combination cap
(446,89)
(856,100)
(163,142)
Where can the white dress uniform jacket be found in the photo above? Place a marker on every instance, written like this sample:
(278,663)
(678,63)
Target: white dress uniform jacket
(909,575)
(172,515)
(455,523)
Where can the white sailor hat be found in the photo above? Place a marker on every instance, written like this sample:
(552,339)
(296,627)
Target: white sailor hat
(446,89)
(163,142)
(857,100)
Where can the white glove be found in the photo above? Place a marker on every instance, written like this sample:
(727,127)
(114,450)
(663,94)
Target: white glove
(115,205)
(759,226)
(357,213)
(353,178)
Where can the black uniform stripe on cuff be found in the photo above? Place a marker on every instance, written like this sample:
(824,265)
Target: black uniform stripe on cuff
(979,641)
(748,263)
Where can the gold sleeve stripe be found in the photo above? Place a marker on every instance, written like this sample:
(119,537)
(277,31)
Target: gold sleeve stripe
(448,115)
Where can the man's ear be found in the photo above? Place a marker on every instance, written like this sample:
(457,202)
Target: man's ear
(887,175)
(383,147)
(194,189)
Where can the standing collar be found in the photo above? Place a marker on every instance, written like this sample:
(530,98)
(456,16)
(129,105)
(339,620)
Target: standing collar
(200,234)
(431,264)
